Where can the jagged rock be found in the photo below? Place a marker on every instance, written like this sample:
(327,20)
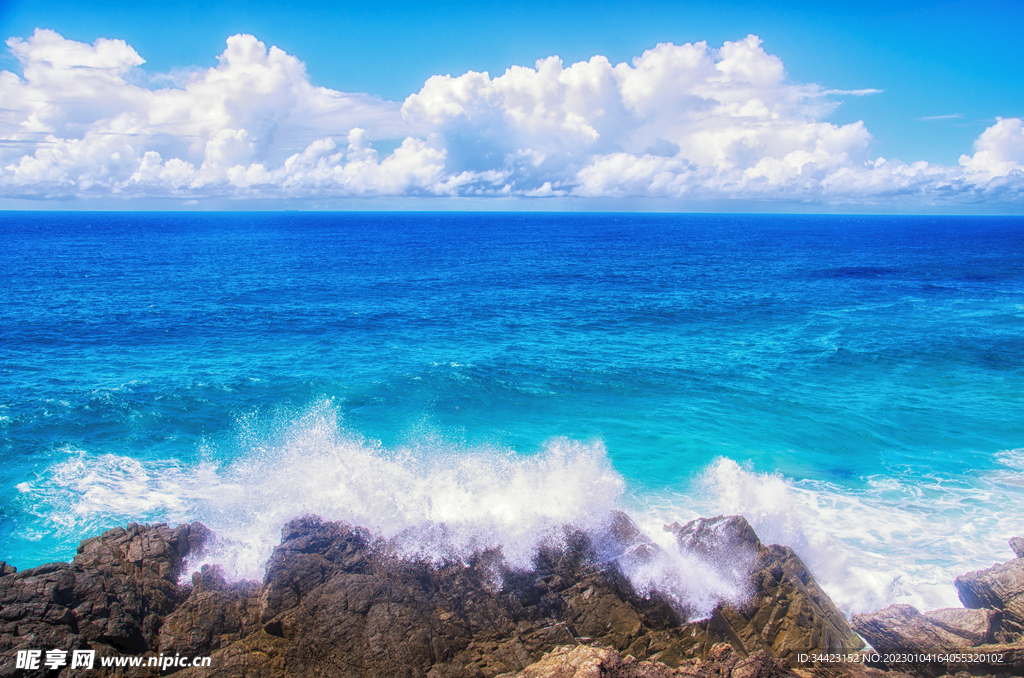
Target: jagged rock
(623,542)
(584,661)
(787,614)
(977,626)
(1011,664)
(600,662)
(215,615)
(112,598)
(1017,544)
(724,661)
(903,629)
(7,569)
(335,601)
(718,537)
(1000,587)
(338,604)
(149,557)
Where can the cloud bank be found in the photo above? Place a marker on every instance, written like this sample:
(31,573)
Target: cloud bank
(685,122)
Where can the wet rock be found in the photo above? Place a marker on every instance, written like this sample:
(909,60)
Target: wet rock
(718,537)
(336,601)
(787,613)
(214,615)
(1017,544)
(345,607)
(624,543)
(1000,587)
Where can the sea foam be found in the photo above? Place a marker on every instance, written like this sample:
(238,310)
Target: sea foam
(888,542)
(430,501)
(894,540)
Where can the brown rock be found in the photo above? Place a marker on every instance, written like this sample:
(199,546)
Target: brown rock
(1017,544)
(347,608)
(718,537)
(584,661)
(111,599)
(787,614)
(1000,587)
(335,601)
(215,615)
(903,629)
(1008,661)
(578,661)
(977,626)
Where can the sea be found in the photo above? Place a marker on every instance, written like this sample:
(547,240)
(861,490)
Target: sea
(852,385)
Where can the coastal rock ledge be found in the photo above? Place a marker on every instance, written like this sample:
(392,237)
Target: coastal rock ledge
(336,602)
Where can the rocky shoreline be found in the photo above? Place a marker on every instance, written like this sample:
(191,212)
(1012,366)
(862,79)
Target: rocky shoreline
(335,601)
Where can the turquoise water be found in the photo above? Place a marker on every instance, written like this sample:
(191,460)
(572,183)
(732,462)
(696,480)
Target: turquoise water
(851,384)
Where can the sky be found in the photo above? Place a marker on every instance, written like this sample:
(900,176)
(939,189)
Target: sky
(799,106)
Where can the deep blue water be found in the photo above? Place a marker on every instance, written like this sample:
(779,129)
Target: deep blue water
(865,374)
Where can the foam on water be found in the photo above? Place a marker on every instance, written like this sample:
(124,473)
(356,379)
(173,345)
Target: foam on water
(430,500)
(892,540)
(470,499)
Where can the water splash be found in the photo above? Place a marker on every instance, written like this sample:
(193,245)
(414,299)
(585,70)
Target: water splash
(894,540)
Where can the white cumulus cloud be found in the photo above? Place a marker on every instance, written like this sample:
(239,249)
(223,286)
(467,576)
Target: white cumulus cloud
(90,129)
(680,121)
(999,149)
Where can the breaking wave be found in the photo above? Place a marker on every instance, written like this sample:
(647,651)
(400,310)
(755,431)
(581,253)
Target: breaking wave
(430,501)
(890,541)
(894,540)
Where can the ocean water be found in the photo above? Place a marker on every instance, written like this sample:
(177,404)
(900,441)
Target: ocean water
(854,386)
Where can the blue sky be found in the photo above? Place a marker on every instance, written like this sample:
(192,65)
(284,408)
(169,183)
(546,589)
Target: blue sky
(946,70)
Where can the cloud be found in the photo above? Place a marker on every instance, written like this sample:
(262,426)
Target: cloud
(686,122)
(999,151)
(93,132)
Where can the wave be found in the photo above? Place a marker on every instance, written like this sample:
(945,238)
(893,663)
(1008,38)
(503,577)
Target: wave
(894,540)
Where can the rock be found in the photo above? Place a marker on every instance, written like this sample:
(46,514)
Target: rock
(1017,544)
(1000,587)
(717,538)
(342,606)
(1010,662)
(336,601)
(787,614)
(599,662)
(215,615)
(7,569)
(584,661)
(725,662)
(903,629)
(623,542)
(978,627)
(111,599)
